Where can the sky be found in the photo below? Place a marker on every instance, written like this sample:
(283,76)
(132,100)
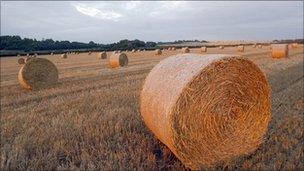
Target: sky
(108,22)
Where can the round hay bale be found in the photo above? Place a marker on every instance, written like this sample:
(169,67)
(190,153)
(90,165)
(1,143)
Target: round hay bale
(241,48)
(294,45)
(254,46)
(118,60)
(204,49)
(64,56)
(90,52)
(102,55)
(221,47)
(260,46)
(185,50)
(133,50)
(35,55)
(158,52)
(38,73)
(218,108)
(173,48)
(279,50)
(52,53)
(21,61)
(28,59)
(138,50)
(27,55)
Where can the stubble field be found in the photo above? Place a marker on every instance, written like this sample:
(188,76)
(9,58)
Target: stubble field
(91,119)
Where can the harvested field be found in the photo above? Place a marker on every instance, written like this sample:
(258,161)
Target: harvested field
(91,118)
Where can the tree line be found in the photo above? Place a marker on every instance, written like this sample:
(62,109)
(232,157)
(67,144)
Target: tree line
(28,45)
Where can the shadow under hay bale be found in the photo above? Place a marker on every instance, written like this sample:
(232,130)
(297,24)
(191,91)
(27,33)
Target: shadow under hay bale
(118,60)
(218,108)
(38,73)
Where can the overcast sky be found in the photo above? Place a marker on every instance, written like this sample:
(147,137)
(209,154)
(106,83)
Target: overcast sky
(107,22)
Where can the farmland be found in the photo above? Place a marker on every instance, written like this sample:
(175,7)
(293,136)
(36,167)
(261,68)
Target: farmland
(91,119)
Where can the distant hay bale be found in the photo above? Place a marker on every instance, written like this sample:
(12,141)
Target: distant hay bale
(241,48)
(52,53)
(18,55)
(254,46)
(38,73)
(133,50)
(102,55)
(158,52)
(185,50)
(279,50)
(21,61)
(260,46)
(173,48)
(169,48)
(27,55)
(64,56)
(221,47)
(138,50)
(218,108)
(90,52)
(118,60)
(294,45)
(35,55)
(204,49)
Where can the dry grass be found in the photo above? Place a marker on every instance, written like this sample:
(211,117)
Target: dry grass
(91,119)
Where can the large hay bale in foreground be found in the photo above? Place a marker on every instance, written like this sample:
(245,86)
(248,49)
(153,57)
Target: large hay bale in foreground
(158,52)
(279,50)
(102,55)
(38,73)
(21,61)
(118,60)
(204,49)
(185,50)
(241,48)
(218,108)
(64,56)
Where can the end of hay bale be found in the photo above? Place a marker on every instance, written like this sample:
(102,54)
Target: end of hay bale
(158,52)
(218,108)
(64,56)
(240,48)
(21,61)
(38,73)
(103,55)
(185,50)
(204,49)
(279,50)
(118,60)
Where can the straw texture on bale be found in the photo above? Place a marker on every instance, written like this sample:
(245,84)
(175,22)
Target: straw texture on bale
(279,50)
(118,60)
(102,55)
(64,56)
(218,108)
(185,50)
(241,48)
(158,52)
(204,49)
(21,61)
(38,73)
(28,58)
